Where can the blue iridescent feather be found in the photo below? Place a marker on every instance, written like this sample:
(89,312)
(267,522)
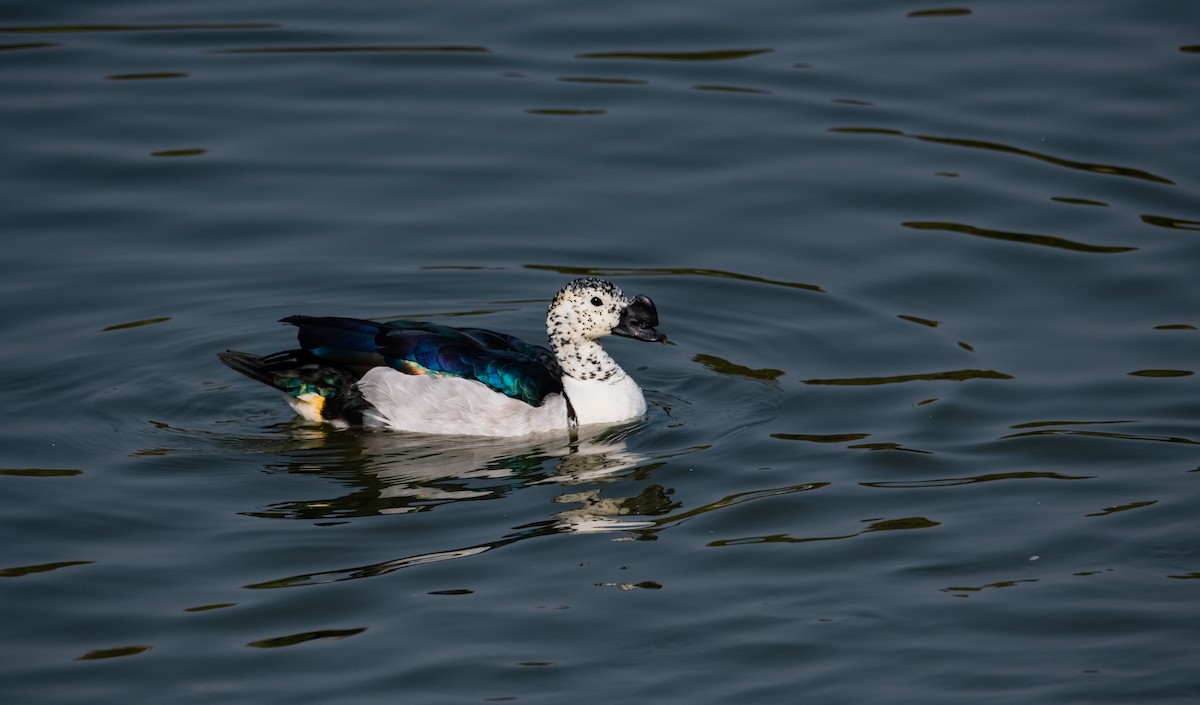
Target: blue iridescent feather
(505,364)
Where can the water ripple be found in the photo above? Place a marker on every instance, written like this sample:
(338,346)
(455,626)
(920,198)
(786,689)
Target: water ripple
(367,49)
(1122,508)
(957,481)
(658,271)
(1079,201)
(954,376)
(136,324)
(998,584)
(820,437)
(40,472)
(27,45)
(603,80)
(715,55)
(1102,434)
(716,88)
(179,27)
(941,12)
(1163,221)
(118,652)
(1107,169)
(883,525)
(725,367)
(383,568)
(734,500)
(22,571)
(293,639)
(148,76)
(1023,238)
(566,112)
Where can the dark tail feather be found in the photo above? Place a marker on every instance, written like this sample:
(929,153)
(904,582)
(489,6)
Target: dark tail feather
(250,365)
(296,373)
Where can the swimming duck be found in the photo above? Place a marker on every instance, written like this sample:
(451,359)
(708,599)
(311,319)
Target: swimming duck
(431,378)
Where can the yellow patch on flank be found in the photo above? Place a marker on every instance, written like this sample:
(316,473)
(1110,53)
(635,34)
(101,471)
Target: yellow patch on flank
(312,406)
(409,367)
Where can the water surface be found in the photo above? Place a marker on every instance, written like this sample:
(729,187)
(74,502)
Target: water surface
(927,432)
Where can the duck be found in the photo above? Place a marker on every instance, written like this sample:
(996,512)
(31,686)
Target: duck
(429,378)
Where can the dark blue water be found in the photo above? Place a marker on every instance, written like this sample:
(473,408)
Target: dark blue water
(928,432)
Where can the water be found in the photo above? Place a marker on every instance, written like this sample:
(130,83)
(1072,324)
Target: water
(928,431)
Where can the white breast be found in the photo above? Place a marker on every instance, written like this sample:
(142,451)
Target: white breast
(605,402)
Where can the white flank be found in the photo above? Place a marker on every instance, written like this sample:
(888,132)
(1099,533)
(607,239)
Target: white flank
(452,405)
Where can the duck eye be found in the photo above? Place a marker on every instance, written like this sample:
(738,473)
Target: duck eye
(596,301)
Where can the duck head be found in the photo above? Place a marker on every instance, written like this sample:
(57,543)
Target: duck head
(588,308)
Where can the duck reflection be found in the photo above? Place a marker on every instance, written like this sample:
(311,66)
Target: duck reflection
(590,518)
(395,473)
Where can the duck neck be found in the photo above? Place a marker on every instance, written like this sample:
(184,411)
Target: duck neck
(586,361)
(597,389)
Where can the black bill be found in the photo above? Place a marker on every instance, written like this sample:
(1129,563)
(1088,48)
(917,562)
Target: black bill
(638,321)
